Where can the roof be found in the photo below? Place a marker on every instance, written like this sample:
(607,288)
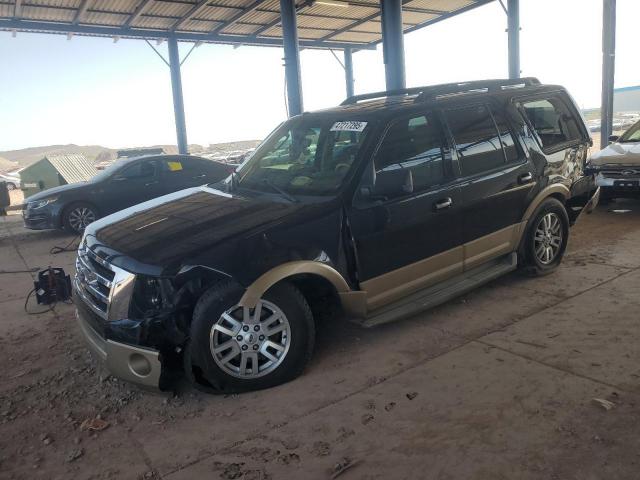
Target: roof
(73,167)
(390,101)
(321,24)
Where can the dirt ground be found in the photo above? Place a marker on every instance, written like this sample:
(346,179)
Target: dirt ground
(498,384)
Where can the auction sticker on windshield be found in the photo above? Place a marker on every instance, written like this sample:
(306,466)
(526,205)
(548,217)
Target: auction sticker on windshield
(348,126)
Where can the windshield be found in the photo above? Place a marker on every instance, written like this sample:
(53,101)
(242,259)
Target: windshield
(631,135)
(304,157)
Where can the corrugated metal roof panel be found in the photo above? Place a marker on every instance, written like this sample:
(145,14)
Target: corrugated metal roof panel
(321,22)
(155,22)
(260,17)
(372,26)
(105,18)
(313,34)
(413,18)
(116,6)
(241,29)
(54,3)
(199,26)
(73,167)
(168,9)
(352,11)
(47,14)
(442,5)
(355,37)
(317,21)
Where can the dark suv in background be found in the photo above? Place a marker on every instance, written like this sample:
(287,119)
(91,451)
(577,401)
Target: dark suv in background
(123,184)
(386,205)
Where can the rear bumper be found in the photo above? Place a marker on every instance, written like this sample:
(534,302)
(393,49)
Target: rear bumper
(128,362)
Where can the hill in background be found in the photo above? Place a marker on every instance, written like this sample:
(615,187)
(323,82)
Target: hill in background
(96,153)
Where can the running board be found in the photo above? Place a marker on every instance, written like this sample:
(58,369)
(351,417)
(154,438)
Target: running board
(441,292)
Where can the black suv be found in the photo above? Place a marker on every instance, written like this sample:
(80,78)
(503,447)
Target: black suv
(384,206)
(123,184)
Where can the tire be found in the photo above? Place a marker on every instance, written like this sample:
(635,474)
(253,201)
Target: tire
(546,238)
(11,186)
(78,215)
(215,360)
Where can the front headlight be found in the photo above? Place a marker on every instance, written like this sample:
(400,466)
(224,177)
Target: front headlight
(41,203)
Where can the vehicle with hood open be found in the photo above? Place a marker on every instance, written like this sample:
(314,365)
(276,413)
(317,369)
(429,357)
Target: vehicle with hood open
(382,207)
(617,167)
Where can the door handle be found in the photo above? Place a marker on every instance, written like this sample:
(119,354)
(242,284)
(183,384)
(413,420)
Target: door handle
(525,178)
(151,183)
(200,176)
(443,203)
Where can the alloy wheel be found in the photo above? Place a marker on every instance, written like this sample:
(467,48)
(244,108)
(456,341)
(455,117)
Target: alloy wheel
(548,238)
(249,343)
(80,217)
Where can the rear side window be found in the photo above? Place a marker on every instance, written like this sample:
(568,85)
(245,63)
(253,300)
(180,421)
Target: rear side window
(552,120)
(476,138)
(414,143)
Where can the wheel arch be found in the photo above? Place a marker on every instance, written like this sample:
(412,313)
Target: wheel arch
(557,190)
(354,302)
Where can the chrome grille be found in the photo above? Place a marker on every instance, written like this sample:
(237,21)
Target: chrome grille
(104,288)
(626,173)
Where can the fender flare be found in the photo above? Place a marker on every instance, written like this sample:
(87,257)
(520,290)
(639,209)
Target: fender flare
(255,291)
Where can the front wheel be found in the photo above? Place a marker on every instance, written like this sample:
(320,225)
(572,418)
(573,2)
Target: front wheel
(76,217)
(11,186)
(546,238)
(234,348)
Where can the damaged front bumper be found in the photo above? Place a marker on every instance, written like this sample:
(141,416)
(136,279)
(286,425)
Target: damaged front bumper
(131,363)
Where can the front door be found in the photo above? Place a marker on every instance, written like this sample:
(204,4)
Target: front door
(497,179)
(134,184)
(405,219)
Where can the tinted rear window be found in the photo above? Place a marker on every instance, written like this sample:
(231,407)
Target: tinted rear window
(476,138)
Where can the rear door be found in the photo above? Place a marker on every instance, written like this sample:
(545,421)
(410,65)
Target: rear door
(496,178)
(407,240)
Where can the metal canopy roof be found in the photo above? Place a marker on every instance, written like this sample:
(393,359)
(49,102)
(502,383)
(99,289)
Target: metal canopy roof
(321,24)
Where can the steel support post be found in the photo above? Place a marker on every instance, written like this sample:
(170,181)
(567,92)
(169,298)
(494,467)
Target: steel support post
(608,69)
(513,22)
(348,71)
(393,43)
(178,102)
(291,56)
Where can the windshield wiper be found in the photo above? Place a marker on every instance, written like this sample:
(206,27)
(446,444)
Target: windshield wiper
(281,191)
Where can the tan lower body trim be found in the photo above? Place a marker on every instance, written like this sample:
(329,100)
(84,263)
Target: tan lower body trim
(491,246)
(406,280)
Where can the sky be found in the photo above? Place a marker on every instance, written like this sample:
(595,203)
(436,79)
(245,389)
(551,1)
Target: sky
(92,91)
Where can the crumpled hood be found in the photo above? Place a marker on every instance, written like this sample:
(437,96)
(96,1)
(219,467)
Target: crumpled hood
(618,154)
(168,230)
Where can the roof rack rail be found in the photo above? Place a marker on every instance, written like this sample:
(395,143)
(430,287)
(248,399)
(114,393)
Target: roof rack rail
(433,91)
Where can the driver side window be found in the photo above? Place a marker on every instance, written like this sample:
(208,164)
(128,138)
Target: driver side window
(139,171)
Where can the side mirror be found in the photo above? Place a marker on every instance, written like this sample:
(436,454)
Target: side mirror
(614,138)
(393,183)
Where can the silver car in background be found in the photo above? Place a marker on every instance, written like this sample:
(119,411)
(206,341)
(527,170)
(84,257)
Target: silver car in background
(617,167)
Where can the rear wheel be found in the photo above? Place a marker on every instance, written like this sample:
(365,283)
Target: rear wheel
(76,217)
(11,186)
(235,348)
(546,238)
